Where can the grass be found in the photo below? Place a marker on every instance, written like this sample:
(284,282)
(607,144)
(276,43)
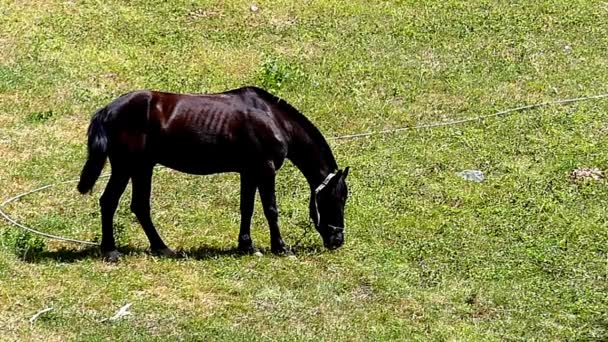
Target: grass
(429,256)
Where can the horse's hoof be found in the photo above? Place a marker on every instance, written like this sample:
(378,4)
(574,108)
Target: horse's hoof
(284,252)
(251,250)
(168,253)
(111,256)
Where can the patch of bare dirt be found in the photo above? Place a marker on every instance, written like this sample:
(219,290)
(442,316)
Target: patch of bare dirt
(587,173)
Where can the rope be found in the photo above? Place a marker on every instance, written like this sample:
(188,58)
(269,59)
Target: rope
(34,231)
(477,118)
(340,137)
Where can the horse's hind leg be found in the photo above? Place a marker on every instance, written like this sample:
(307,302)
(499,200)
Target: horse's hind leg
(140,206)
(109,202)
(248,188)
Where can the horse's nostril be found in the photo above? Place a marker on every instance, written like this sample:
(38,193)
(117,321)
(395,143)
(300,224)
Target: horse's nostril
(339,239)
(335,242)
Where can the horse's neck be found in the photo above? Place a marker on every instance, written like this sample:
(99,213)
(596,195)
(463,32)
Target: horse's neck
(314,158)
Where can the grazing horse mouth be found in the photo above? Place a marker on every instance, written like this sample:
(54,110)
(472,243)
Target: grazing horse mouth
(336,238)
(333,247)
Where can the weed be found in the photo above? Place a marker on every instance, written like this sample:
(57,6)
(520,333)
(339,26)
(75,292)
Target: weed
(25,245)
(40,117)
(274,75)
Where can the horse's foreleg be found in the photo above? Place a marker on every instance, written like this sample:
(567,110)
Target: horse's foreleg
(109,202)
(140,206)
(267,194)
(248,188)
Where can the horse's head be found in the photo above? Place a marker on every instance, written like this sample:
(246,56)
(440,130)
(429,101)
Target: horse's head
(327,208)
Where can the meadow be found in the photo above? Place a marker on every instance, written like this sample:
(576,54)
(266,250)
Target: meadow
(428,255)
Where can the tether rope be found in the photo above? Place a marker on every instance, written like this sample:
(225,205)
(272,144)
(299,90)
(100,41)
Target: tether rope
(341,137)
(477,118)
(34,231)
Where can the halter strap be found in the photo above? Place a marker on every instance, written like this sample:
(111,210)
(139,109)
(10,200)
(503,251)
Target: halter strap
(324,183)
(336,228)
(317,190)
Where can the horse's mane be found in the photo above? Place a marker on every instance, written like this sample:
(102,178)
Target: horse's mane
(302,120)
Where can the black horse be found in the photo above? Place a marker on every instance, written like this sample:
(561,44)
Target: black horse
(246,130)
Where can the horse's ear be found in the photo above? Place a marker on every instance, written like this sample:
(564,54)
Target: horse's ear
(345,173)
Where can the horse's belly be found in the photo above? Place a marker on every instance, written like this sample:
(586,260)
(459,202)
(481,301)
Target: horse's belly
(202,160)
(198,168)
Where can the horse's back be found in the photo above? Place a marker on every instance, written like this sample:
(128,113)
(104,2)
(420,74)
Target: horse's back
(208,133)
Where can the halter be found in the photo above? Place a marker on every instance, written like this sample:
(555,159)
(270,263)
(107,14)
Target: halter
(317,190)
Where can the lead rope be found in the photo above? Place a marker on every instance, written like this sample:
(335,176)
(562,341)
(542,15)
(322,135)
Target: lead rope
(349,136)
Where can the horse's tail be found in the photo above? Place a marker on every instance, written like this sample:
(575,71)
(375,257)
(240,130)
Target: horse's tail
(97,152)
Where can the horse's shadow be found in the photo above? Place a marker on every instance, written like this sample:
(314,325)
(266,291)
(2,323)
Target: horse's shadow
(204,252)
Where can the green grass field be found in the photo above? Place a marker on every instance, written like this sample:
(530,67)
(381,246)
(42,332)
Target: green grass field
(428,256)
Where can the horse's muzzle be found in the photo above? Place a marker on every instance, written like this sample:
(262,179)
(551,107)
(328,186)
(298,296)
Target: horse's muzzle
(334,241)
